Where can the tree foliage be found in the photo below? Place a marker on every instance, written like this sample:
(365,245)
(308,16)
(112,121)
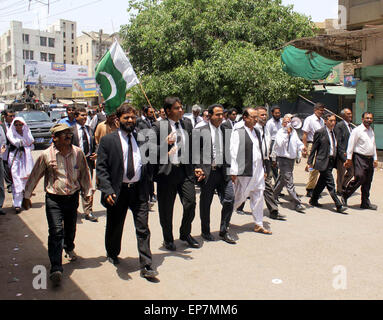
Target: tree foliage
(213,51)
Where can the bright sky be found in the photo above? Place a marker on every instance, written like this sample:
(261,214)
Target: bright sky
(92,15)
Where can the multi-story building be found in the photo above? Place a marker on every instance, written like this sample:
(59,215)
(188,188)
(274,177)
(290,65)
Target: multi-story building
(90,49)
(68,30)
(19,44)
(355,14)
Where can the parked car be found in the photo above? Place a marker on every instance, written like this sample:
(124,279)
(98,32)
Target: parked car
(39,123)
(57,114)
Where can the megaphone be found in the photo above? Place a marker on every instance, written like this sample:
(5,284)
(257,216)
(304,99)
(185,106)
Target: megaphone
(296,123)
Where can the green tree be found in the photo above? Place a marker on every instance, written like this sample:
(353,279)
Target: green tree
(208,51)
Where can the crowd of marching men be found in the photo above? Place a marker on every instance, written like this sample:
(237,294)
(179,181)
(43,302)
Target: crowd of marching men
(251,159)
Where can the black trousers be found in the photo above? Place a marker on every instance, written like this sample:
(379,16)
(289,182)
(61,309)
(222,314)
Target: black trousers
(115,219)
(268,194)
(326,179)
(363,174)
(7,176)
(216,181)
(61,212)
(275,170)
(167,189)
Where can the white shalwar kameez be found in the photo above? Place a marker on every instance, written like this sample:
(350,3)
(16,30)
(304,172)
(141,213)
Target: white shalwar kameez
(20,162)
(249,187)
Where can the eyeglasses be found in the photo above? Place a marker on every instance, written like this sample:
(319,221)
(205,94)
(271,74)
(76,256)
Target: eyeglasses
(69,134)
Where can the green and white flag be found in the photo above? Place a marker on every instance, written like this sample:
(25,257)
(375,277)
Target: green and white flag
(115,75)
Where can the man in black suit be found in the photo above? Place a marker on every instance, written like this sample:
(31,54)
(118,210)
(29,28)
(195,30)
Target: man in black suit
(343,131)
(325,152)
(212,173)
(123,184)
(84,139)
(231,119)
(146,123)
(174,172)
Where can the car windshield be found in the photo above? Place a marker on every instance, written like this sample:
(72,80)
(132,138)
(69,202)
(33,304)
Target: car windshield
(34,116)
(58,114)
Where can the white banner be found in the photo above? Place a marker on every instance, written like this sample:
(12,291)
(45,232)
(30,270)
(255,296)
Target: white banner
(53,74)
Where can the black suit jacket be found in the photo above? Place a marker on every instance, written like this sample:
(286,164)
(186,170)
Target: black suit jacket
(227,124)
(76,138)
(321,150)
(143,124)
(163,167)
(206,145)
(110,168)
(342,136)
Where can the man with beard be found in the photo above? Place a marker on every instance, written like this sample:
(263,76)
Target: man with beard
(343,131)
(361,153)
(123,182)
(174,172)
(65,174)
(272,126)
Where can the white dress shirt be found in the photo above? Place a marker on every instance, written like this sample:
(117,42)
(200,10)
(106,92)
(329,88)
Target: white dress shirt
(312,124)
(214,131)
(273,126)
(362,141)
(332,147)
(285,149)
(174,157)
(136,157)
(80,133)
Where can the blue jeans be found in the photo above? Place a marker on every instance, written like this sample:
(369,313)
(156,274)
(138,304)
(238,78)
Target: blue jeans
(61,214)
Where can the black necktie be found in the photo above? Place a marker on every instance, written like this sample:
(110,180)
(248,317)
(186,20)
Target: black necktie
(195,121)
(85,143)
(264,141)
(179,138)
(349,125)
(130,168)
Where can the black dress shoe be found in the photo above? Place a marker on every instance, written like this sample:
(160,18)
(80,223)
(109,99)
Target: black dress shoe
(208,236)
(341,209)
(17,210)
(227,238)
(170,246)
(191,241)
(369,206)
(315,204)
(309,193)
(277,216)
(91,217)
(113,260)
(148,273)
(9,189)
(299,208)
(2,213)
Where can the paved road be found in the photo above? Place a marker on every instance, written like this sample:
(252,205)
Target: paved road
(320,255)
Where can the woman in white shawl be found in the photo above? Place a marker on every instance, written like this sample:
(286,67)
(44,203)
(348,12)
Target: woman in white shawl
(20,159)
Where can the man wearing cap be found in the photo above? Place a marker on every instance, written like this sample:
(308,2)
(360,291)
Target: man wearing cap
(66,174)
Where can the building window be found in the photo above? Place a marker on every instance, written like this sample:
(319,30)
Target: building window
(72,36)
(51,42)
(25,38)
(72,62)
(72,49)
(43,56)
(72,27)
(64,61)
(27,54)
(8,41)
(64,34)
(43,41)
(81,49)
(51,57)
(64,48)
(87,48)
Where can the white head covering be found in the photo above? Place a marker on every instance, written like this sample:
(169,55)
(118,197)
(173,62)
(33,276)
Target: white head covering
(25,140)
(20,162)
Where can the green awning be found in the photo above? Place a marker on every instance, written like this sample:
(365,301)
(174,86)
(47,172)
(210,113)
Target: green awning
(309,65)
(337,90)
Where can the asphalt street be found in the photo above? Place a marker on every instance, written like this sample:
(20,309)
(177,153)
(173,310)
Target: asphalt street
(318,255)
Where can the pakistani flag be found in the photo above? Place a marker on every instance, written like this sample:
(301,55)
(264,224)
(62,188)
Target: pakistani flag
(115,75)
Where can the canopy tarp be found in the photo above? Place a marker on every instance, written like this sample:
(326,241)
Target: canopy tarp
(305,64)
(337,90)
